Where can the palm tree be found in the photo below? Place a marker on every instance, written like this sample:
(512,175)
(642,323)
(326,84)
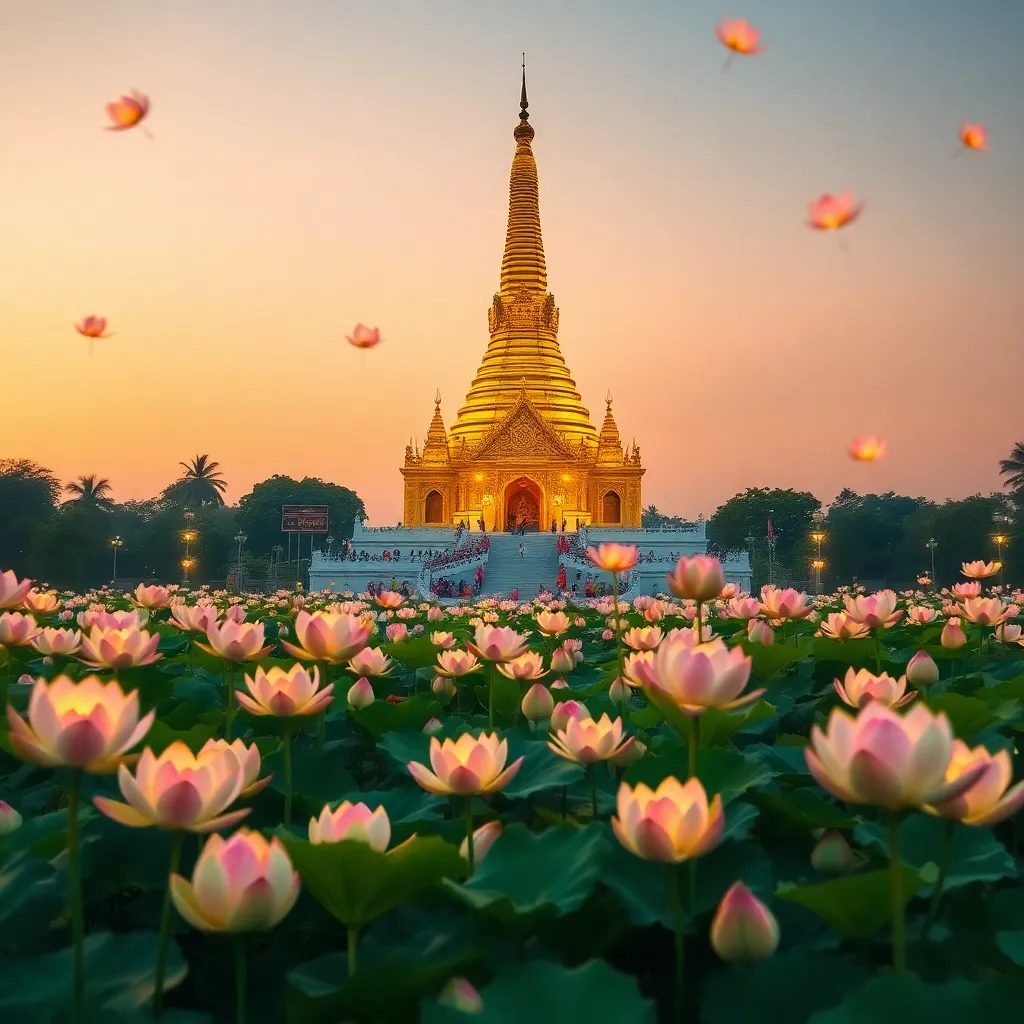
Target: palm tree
(201,483)
(1013,467)
(90,492)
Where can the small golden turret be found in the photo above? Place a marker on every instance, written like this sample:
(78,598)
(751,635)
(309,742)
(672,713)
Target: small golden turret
(435,447)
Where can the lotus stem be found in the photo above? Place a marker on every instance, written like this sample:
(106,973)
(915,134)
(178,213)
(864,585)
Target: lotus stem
(177,838)
(75,897)
(693,744)
(591,771)
(878,653)
(699,622)
(618,639)
(287,775)
(945,857)
(469,835)
(899,924)
(353,948)
(229,686)
(490,696)
(240,979)
(679,921)
(981,641)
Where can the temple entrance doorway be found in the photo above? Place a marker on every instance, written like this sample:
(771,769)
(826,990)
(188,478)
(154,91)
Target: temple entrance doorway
(522,506)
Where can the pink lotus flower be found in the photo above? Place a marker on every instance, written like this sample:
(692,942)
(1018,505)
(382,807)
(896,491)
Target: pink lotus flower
(553,623)
(235,641)
(93,327)
(885,759)
(45,603)
(830,213)
(919,615)
(483,840)
(980,570)
(671,824)
(446,641)
(698,578)
(988,800)
(242,884)
(527,667)
(248,758)
(435,615)
(862,686)
(364,337)
(17,630)
(497,643)
(284,694)
(453,664)
(987,611)
(354,822)
(739,36)
(328,636)
(585,741)
(759,632)
(360,694)
(779,605)
(51,641)
(397,632)
(151,597)
(370,661)
(645,638)
(89,724)
(12,592)
(877,611)
(743,929)
(973,136)
(743,608)
(193,618)
(179,791)
(1008,633)
(614,558)
(953,637)
(127,112)
(922,670)
(119,648)
(565,711)
(862,449)
(468,766)
(235,612)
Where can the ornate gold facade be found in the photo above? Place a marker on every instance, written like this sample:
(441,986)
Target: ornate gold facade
(523,448)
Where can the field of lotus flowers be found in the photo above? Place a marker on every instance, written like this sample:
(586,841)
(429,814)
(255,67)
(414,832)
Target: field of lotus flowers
(705,806)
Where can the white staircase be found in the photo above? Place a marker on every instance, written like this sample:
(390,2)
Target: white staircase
(506,571)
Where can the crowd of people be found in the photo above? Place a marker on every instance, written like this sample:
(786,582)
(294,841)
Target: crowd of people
(466,552)
(404,588)
(395,555)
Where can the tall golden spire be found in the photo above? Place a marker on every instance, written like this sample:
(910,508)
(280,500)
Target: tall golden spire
(435,447)
(523,353)
(609,447)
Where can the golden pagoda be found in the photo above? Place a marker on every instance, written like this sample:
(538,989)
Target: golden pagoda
(523,450)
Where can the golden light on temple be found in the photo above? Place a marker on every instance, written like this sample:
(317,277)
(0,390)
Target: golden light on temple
(523,417)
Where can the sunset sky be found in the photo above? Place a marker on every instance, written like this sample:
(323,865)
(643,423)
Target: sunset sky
(315,163)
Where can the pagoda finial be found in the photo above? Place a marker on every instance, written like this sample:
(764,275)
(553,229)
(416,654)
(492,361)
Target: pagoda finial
(608,399)
(524,114)
(437,398)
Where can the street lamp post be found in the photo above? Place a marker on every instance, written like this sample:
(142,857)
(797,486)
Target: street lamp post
(1000,539)
(818,537)
(330,545)
(931,544)
(240,539)
(116,543)
(817,565)
(186,565)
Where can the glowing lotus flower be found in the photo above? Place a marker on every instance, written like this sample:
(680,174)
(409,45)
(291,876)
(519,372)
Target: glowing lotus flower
(920,615)
(875,610)
(179,791)
(987,801)
(468,766)
(89,724)
(93,327)
(193,618)
(867,449)
(743,608)
(497,643)
(57,641)
(483,840)
(17,630)
(979,570)
(397,632)
(42,603)
(119,648)
(102,619)
(643,638)
(630,666)
(862,686)
(614,558)
(370,661)
(127,112)
(446,641)
(389,599)
(327,636)
(452,664)
(988,611)
(364,337)
(151,597)
(699,578)
(953,637)
(553,623)
(527,667)
(235,641)
(743,929)
(830,213)
(565,711)
(886,759)
(585,741)
(12,592)
(354,822)
(285,694)
(242,884)
(671,824)
(779,605)
(249,761)
(739,36)
(973,136)
(961,591)
(695,678)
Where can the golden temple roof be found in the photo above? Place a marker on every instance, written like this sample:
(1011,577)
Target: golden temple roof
(523,353)
(435,447)
(609,448)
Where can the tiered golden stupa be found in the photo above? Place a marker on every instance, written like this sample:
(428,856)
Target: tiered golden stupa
(523,451)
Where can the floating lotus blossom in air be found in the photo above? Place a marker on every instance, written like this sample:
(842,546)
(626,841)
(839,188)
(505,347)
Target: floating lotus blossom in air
(979,570)
(738,36)
(829,213)
(867,449)
(364,337)
(974,136)
(127,112)
(93,327)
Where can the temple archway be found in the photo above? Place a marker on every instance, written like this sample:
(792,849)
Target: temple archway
(433,509)
(523,505)
(612,508)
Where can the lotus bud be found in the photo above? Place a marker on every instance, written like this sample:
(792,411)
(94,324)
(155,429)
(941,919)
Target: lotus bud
(444,689)
(744,928)
(832,854)
(618,691)
(461,996)
(538,703)
(607,635)
(10,819)
(759,632)
(558,684)
(562,661)
(483,840)
(360,694)
(922,670)
(564,711)
(953,637)
(433,725)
